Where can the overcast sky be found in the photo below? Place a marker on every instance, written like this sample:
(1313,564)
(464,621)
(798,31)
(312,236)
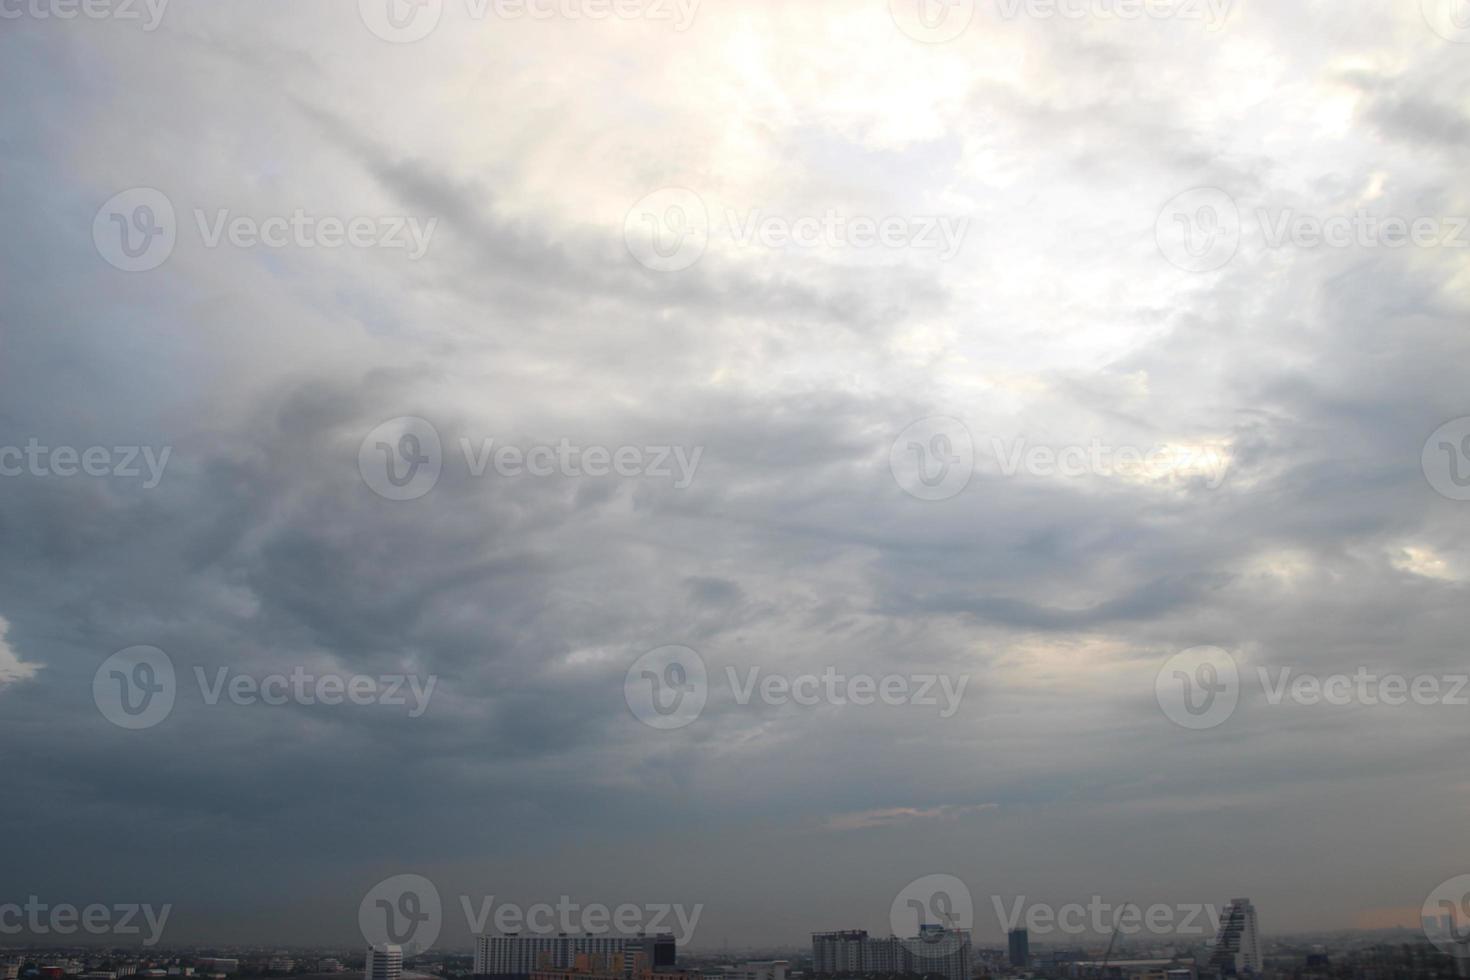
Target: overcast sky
(863,216)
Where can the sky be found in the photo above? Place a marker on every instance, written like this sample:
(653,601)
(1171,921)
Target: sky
(619,396)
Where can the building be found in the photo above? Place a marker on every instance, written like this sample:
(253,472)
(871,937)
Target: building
(383,963)
(590,966)
(1019,942)
(280,964)
(1132,970)
(517,956)
(1238,947)
(839,953)
(758,970)
(936,951)
(216,964)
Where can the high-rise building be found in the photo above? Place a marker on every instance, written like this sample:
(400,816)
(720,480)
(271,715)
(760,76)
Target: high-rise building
(838,953)
(517,956)
(936,950)
(383,963)
(1238,947)
(1019,941)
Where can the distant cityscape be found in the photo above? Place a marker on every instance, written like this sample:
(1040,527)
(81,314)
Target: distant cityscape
(1237,951)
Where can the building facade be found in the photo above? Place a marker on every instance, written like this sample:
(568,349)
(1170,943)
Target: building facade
(936,951)
(1238,947)
(1018,942)
(516,955)
(383,963)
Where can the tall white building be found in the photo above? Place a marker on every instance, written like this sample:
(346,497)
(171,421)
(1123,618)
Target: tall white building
(383,963)
(1238,947)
